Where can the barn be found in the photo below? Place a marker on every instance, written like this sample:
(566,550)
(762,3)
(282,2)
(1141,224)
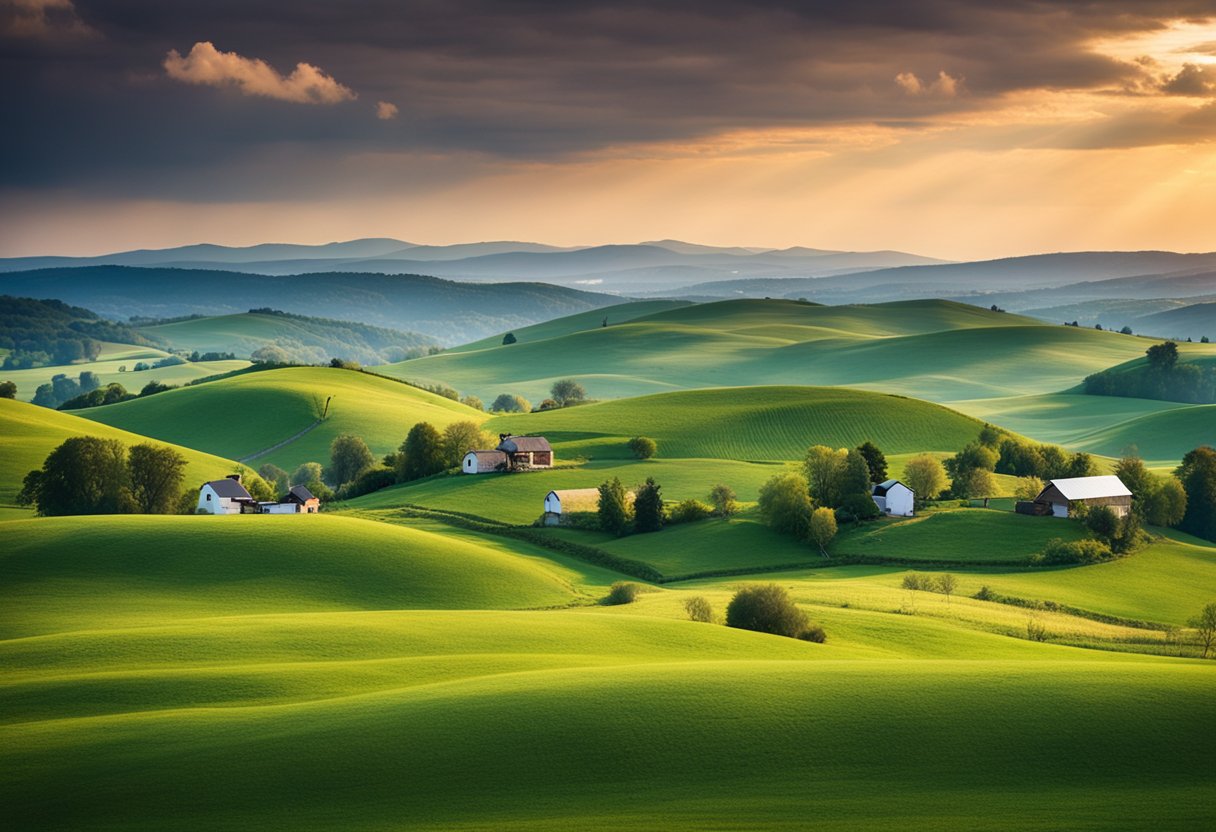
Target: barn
(226,496)
(526,452)
(559,503)
(894,498)
(299,500)
(1065,496)
(484,462)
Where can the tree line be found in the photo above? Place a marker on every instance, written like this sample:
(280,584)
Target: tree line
(91,475)
(40,333)
(1161,377)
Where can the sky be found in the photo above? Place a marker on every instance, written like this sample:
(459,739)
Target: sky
(963,129)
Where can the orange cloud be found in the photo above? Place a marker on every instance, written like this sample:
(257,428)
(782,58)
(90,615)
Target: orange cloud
(252,76)
(385,110)
(943,86)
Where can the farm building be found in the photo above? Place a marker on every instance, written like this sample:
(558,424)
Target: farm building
(558,503)
(894,498)
(526,451)
(514,453)
(226,496)
(299,500)
(1061,498)
(484,462)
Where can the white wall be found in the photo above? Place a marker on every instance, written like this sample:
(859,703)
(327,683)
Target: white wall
(217,504)
(469,465)
(553,503)
(900,501)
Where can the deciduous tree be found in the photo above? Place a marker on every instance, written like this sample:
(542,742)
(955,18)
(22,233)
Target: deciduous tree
(822,528)
(349,457)
(155,474)
(785,504)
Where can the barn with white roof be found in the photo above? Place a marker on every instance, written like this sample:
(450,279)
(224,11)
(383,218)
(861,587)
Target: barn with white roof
(1065,496)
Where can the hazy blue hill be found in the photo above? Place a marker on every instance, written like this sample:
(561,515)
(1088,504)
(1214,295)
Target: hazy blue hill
(207,252)
(453,312)
(1020,282)
(1193,321)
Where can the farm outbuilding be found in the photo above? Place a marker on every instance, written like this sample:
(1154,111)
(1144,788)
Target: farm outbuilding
(1065,496)
(559,503)
(299,500)
(894,498)
(484,462)
(526,452)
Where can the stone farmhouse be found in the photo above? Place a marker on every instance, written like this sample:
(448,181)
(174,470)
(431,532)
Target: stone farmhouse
(514,453)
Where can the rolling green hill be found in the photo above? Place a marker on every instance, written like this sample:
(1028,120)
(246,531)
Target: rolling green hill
(577,322)
(113,357)
(936,350)
(311,340)
(1161,437)
(157,568)
(248,413)
(749,423)
(562,719)
(29,433)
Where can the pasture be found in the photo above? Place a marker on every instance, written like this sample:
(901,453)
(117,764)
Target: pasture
(28,433)
(251,412)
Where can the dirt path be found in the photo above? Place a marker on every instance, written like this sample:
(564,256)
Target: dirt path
(257,454)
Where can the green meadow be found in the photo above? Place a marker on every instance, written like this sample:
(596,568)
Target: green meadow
(108,364)
(392,664)
(28,433)
(248,413)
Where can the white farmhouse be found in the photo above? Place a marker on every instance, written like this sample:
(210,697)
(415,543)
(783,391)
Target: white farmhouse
(894,498)
(226,496)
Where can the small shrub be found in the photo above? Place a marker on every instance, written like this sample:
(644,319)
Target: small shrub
(985,594)
(1059,552)
(724,500)
(699,609)
(689,511)
(1035,630)
(622,592)
(643,447)
(767,608)
(815,634)
(509,338)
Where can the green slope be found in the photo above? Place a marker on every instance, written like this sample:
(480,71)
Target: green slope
(750,423)
(29,433)
(647,725)
(317,338)
(152,569)
(114,356)
(245,414)
(1162,437)
(578,322)
(936,350)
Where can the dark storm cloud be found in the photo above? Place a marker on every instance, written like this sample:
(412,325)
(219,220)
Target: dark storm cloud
(516,79)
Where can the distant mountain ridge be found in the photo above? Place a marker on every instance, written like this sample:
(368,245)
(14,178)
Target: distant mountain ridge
(620,268)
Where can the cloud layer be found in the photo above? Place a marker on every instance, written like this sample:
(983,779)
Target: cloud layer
(206,65)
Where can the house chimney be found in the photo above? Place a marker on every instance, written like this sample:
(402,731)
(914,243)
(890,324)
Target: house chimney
(236,477)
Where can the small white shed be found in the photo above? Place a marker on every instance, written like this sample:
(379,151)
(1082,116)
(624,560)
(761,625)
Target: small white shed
(483,462)
(894,498)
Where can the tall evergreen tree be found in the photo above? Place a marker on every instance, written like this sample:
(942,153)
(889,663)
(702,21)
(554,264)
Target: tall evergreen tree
(876,460)
(613,509)
(648,507)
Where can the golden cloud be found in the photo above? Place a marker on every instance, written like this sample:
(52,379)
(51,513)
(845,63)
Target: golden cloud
(252,76)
